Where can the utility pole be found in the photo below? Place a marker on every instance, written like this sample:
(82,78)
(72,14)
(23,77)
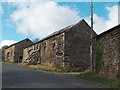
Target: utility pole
(91,45)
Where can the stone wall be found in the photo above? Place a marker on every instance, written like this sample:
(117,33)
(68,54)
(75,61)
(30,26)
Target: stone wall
(9,54)
(29,50)
(52,50)
(14,53)
(19,49)
(50,53)
(77,46)
(110,42)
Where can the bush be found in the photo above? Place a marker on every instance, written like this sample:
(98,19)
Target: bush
(99,53)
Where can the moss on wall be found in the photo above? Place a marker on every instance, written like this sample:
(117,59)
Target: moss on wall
(99,58)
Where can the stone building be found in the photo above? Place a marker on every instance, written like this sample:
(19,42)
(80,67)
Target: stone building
(14,53)
(110,43)
(69,47)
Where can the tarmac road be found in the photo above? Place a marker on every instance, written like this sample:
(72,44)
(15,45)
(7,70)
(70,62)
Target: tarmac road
(14,76)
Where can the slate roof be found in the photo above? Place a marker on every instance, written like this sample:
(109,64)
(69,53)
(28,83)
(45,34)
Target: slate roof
(18,42)
(68,28)
(58,32)
(109,30)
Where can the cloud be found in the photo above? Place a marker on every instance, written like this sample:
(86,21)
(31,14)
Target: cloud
(43,18)
(113,16)
(60,0)
(6,42)
(19,1)
(1,10)
(101,24)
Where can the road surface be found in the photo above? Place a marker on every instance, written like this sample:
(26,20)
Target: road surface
(14,76)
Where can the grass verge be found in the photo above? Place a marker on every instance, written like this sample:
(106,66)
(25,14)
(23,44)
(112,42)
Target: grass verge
(48,68)
(99,80)
(44,68)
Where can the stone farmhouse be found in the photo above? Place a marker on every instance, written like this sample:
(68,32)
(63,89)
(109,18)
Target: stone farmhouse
(68,48)
(14,53)
(110,43)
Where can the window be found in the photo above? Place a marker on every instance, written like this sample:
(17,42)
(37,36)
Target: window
(27,40)
(44,46)
(21,57)
(54,45)
(59,54)
(8,54)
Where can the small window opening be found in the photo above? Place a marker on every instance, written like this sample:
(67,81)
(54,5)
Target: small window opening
(54,45)
(21,57)
(45,46)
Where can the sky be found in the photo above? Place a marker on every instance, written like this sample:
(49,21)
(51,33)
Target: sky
(20,19)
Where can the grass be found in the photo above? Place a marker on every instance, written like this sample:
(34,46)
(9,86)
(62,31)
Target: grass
(99,80)
(8,62)
(48,68)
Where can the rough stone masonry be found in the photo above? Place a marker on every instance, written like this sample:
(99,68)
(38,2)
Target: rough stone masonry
(68,48)
(110,41)
(14,53)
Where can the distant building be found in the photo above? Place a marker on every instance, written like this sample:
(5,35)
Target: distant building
(69,48)
(14,53)
(110,43)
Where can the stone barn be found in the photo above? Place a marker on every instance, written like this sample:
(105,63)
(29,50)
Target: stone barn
(32,53)
(68,48)
(109,42)
(14,53)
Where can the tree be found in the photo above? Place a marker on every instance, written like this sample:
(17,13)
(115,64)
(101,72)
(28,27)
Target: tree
(2,50)
(35,40)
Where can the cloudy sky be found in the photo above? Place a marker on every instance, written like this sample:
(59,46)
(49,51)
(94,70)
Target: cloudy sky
(22,19)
